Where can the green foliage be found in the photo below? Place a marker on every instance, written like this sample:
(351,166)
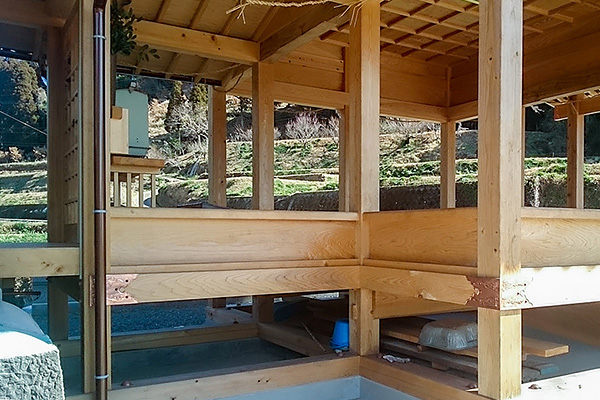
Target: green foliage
(176,99)
(122,35)
(22,98)
(23,232)
(199,97)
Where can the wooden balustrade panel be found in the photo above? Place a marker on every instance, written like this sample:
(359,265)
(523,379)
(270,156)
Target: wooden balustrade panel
(187,236)
(560,237)
(424,236)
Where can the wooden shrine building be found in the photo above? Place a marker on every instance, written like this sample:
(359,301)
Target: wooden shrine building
(434,60)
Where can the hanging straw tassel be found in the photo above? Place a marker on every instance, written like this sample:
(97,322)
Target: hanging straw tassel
(241,7)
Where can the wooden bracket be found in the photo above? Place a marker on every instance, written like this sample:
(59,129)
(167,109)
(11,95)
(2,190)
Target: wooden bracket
(116,286)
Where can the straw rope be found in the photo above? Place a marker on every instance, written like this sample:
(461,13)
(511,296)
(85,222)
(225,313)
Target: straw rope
(241,7)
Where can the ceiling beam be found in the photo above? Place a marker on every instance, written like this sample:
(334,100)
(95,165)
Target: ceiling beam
(189,41)
(28,13)
(302,30)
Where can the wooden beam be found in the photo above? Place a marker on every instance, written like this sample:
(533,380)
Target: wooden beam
(409,109)
(575,156)
(392,306)
(584,106)
(263,136)
(448,165)
(499,190)
(38,260)
(206,386)
(217,147)
(551,286)
(299,94)
(144,288)
(302,30)
(448,288)
(28,13)
(194,42)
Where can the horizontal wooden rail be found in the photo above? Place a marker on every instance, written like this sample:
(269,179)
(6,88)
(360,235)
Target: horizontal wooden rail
(446,240)
(142,288)
(187,236)
(38,260)
(238,381)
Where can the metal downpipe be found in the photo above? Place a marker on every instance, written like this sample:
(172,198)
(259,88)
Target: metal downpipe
(101,345)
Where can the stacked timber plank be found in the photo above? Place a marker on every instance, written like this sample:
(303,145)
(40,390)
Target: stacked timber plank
(401,335)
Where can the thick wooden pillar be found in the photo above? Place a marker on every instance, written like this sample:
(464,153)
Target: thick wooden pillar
(363,154)
(58,308)
(263,136)
(217,156)
(499,210)
(263,160)
(217,147)
(448,165)
(575,155)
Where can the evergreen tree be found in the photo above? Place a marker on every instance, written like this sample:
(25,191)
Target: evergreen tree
(199,97)
(176,100)
(23,103)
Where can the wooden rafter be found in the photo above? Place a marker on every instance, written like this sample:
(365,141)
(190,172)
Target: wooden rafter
(194,42)
(302,30)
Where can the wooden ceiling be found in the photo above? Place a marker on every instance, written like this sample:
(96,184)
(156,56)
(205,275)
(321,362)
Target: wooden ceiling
(441,32)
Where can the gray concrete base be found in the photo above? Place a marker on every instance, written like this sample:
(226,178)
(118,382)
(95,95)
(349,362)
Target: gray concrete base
(353,388)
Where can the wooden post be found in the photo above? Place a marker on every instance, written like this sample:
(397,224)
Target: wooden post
(217,149)
(448,165)
(344,174)
(217,157)
(263,160)
(363,154)
(499,194)
(58,307)
(575,153)
(263,136)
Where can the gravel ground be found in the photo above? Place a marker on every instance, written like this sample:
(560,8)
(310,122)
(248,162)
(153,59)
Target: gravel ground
(130,318)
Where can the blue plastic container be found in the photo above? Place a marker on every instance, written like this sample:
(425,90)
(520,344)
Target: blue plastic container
(341,335)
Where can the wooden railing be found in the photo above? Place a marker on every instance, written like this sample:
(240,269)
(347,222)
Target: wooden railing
(135,173)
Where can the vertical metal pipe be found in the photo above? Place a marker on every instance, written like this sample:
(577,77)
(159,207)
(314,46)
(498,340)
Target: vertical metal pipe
(100,200)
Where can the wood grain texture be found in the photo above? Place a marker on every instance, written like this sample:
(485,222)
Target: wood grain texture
(575,156)
(194,42)
(455,289)
(263,156)
(142,241)
(499,189)
(247,380)
(205,285)
(448,165)
(408,236)
(38,260)
(217,148)
(391,306)
(563,240)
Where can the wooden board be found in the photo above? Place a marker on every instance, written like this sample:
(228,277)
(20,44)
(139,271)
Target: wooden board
(38,259)
(133,288)
(187,236)
(411,236)
(409,329)
(245,381)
